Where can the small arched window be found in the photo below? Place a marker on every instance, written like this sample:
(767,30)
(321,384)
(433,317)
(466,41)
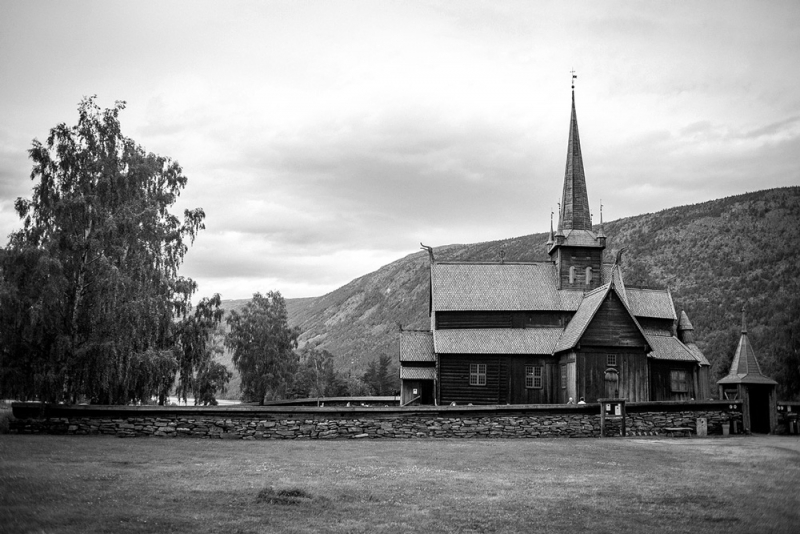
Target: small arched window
(588,275)
(572,275)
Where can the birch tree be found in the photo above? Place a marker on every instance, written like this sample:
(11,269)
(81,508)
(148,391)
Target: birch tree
(90,284)
(262,343)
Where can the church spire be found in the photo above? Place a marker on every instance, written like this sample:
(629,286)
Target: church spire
(574,213)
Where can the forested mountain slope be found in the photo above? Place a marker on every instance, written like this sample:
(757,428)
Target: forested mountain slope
(714,257)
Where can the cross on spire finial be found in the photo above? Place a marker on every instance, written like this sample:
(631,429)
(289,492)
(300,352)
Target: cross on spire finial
(573,78)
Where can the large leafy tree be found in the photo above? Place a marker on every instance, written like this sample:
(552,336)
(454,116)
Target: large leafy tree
(90,287)
(262,343)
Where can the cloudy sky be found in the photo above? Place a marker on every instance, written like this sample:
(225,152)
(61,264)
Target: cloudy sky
(325,139)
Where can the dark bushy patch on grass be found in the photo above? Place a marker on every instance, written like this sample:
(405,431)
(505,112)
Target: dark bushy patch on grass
(288,496)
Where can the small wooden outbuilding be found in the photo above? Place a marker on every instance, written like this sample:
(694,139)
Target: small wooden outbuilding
(747,383)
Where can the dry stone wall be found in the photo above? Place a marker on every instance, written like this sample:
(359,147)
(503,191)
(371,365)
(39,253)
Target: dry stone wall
(361,423)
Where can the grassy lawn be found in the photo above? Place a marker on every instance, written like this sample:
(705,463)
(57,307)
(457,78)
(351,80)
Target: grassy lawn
(106,484)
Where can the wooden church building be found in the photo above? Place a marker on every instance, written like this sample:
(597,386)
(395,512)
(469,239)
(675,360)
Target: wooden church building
(543,332)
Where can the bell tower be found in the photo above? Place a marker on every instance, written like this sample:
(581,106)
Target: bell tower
(576,250)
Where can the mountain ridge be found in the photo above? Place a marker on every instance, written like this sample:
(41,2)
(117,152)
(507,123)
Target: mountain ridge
(714,256)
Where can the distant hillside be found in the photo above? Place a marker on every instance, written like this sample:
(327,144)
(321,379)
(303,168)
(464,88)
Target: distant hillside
(713,256)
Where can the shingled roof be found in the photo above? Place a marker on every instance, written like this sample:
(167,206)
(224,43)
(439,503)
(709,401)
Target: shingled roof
(668,347)
(500,286)
(655,303)
(416,346)
(577,325)
(745,368)
(574,214)
(417,373)
(496,341)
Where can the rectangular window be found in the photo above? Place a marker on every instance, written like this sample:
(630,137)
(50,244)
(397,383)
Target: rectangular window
(611,360)
(678,382)
(477,374)
(533,376)
(563,376)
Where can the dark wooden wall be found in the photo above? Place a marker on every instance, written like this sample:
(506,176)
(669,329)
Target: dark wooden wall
(632,372)
(661,382)
(454,379)
(612,326)
(500,319)
(505,380)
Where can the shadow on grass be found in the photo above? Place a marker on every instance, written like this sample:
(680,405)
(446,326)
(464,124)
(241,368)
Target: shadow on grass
(289,496)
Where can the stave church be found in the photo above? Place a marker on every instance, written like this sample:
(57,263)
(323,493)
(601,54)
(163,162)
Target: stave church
(552,331)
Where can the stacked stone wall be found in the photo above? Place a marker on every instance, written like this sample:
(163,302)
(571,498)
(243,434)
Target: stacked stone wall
(398,423)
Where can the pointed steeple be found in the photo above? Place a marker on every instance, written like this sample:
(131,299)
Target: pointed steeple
(574,213)
(744,367)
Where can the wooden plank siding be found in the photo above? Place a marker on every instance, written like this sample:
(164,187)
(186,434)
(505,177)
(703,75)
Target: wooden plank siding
(505,379)
(661,382)
(454,379)
(632,373)
(612,326)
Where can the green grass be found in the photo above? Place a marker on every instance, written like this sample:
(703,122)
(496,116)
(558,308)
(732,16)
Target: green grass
(104,484)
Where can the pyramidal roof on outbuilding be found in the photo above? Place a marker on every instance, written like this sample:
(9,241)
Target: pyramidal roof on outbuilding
(745,368)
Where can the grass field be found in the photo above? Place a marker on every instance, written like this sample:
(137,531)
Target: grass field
(105,484)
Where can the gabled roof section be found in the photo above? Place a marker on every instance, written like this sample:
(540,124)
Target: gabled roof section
(586,312)
(574,214)
(500,287)
(745,368)
(577,325)
(496,341)
(654,303)
(416,346)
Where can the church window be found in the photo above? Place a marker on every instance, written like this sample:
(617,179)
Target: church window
(477,374)
(588,275)
(533,376)
(678,382)
(563,376)
(611,360)
(572,275)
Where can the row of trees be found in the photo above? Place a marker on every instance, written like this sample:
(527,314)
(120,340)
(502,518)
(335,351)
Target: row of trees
(263,346)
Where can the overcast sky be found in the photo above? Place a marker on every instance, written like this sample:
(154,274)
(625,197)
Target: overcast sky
(327,139)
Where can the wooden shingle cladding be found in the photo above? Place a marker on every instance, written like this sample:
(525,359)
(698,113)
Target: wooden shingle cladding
(416,346)
(461,286)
